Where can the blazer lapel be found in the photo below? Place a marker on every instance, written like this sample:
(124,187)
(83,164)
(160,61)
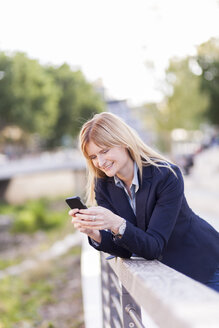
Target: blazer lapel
(121,203)
(142,197)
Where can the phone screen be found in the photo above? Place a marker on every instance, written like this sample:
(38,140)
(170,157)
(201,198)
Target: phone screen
(75,202)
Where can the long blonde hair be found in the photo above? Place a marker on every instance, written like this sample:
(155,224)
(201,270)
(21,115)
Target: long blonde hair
(108,130)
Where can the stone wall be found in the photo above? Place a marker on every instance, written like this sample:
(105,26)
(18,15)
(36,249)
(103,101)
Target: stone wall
(45,184)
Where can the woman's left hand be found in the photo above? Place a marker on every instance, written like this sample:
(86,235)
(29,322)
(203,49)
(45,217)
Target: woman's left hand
(98,218)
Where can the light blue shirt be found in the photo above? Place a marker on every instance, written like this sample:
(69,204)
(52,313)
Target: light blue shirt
(133,188)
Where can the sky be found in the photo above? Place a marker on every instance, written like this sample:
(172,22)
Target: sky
(125,43)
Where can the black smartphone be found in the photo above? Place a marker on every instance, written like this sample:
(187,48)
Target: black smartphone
(75,202)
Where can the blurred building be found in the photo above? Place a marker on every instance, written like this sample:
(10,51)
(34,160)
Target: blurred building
(121,109)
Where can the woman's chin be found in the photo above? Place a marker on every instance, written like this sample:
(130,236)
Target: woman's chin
(109,174)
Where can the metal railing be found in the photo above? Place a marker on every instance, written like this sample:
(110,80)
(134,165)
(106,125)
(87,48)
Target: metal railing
(132,287)
(119,308)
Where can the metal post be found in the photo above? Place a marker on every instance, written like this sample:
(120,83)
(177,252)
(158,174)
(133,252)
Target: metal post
(114,304)
(119,308)
(131,311)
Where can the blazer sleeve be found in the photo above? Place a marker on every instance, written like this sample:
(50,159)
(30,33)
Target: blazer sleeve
(150,244)
(108,244)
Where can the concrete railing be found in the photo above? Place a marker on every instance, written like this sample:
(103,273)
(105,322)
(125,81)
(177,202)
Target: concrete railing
(140,293)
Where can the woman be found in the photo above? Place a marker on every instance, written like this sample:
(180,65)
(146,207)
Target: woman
(141,208)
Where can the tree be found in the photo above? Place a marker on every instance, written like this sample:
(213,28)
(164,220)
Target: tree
(77,102)
(36,96)
(50,101)
(208,59)
(6,96)
(185,104)
(191,93)
(28,95)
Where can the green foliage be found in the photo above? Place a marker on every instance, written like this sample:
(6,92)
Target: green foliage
(26,298)
(50,101)
(20,299)
(33,216)
(4,263)
(186,104)
(6,96)
(155,122)
(208,59)
(29,95)
(193,90)
(77,102)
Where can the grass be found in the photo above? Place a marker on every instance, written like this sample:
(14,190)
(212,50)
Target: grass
(35,215)
(25,301)
(47,217)
(49,296)
(4,263)
(20,299)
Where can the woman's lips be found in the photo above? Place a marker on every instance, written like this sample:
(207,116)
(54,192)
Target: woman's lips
(108,167)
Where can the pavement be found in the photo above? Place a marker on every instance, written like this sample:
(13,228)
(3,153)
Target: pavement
(203,201)
(202,186)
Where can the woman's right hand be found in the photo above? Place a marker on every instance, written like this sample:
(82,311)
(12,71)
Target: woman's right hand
(92,233)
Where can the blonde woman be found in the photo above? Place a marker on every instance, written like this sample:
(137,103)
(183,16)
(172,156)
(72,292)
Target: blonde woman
(138,204)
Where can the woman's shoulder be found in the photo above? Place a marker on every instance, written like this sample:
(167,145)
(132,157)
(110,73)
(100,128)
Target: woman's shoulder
(162,169)
(166,176)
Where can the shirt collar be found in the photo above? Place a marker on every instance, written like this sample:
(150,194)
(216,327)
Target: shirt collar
(135,181)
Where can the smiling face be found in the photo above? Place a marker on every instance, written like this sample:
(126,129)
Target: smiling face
(111,160)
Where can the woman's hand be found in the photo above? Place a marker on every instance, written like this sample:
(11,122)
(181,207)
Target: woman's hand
(97,218)
(94,234)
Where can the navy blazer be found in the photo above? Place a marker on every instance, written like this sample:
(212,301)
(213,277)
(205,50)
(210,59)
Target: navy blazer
(164,227)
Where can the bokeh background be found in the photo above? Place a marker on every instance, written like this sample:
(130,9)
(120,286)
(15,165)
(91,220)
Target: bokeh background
(154,63)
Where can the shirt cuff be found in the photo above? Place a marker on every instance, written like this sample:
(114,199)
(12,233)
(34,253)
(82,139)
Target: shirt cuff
(94,242)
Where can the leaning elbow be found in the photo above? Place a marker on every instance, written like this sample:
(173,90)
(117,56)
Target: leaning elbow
(153,256)
(154,247)
(154,252)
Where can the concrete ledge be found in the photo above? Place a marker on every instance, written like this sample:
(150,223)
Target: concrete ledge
(170,298)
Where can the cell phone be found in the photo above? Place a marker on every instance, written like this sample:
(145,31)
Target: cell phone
(75,202)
